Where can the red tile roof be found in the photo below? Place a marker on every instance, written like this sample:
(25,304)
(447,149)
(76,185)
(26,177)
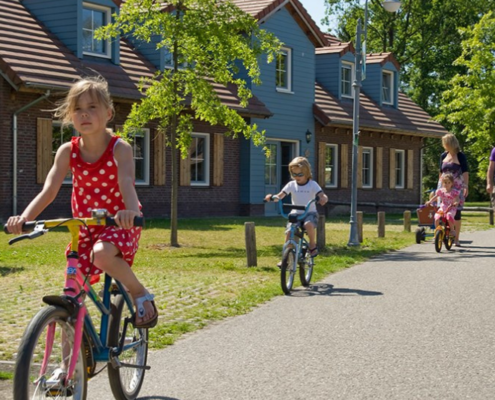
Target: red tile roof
(263,9)
(31,57)
(409,118)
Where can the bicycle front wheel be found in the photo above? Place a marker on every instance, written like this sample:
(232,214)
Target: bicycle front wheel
(306,268)
(44,356)
(126,381)
(438,240)
(288,270)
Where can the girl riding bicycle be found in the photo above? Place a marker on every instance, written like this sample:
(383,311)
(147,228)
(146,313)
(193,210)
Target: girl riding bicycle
(449,199)
(303,189)
(102,168)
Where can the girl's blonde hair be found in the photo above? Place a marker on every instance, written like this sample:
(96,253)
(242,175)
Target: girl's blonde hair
(303,164)
(450,142)
(96,86)
(448,177)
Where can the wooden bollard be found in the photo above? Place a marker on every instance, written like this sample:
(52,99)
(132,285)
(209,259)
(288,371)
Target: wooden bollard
(320,232)
(407,221)
(250,234)
(381,224)
(491,216)
(359,218)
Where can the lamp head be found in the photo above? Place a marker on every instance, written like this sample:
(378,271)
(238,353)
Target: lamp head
(391,5)
(309,135)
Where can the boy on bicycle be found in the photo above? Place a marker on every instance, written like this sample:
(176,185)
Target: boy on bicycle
(303,189)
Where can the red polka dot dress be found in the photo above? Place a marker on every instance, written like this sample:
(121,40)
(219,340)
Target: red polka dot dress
(95,185)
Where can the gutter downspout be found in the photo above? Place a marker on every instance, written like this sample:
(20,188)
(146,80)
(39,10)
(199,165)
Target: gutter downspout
(14,183)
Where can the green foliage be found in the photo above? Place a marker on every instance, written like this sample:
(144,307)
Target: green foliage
(469,103)
(211,41)
(426,38)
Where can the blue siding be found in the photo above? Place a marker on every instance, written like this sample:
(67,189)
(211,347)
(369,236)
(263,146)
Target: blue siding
(371,86)
(64,19)
(60,17)
(328,72)
(293,113)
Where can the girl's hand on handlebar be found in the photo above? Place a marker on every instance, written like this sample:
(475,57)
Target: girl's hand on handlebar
(14,224)
(125,218)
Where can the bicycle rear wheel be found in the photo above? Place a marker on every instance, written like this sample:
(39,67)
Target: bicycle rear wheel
(51,328)
(125,381)
(288,270)
(306,265)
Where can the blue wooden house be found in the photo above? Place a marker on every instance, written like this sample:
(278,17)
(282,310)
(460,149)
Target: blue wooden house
(304,104)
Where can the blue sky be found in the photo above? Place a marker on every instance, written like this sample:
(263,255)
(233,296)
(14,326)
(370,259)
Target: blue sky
(316,9)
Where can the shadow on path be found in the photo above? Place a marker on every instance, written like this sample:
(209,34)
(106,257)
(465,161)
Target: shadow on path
(157,398)
(325,289)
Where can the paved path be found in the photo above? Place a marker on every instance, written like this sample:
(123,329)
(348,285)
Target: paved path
(412,324)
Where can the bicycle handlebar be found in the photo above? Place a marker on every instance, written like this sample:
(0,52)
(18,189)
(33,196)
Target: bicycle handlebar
(39,228)
(294,207)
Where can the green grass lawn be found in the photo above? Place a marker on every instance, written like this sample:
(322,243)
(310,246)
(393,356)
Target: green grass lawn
(204,280)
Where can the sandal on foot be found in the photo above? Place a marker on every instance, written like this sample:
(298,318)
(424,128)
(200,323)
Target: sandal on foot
(55,384)
(140,311)
(313,252)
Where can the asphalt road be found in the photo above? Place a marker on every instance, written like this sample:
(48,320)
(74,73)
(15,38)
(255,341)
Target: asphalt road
(412,324)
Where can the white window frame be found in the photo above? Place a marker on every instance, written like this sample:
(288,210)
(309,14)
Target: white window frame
(271,178)
(347,66)
(108,18)
(334,166)
(288,71)
(366,151)
(145,133)
(389,90)
(400,168)
(206,160)
(170,65)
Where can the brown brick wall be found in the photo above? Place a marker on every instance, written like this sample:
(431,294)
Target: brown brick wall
(375,139)
(193,201)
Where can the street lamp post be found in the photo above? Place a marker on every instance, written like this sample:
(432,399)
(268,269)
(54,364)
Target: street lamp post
(390,6)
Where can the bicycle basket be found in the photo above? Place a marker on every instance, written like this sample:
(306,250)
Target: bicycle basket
(426,215)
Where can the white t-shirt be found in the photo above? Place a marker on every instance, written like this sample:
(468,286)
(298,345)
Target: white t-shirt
(302,194)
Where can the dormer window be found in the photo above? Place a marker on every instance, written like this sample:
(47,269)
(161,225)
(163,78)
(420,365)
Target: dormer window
(346,80)
(387,87)
(284,70)
(95,17)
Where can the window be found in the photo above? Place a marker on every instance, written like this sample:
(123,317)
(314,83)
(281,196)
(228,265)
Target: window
(60,135)
(199,154)
(346,82)
(95,17)
(140,143)
(367,167)
(271,165)
(283,70)
(331,165)
(387,87)
(400,163)
(169,60)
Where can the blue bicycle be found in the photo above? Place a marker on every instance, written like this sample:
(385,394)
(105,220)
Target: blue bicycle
(295,253)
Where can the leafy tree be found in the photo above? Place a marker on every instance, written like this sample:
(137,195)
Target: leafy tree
(210,42)
(469,103)
(425,38)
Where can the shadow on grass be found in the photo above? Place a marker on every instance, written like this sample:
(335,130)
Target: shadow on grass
(325,289)
(4,271)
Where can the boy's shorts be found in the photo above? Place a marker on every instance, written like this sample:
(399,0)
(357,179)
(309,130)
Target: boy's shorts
(311,217)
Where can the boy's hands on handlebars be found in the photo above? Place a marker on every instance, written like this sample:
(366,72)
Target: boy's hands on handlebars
(271,197)
(125,218)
